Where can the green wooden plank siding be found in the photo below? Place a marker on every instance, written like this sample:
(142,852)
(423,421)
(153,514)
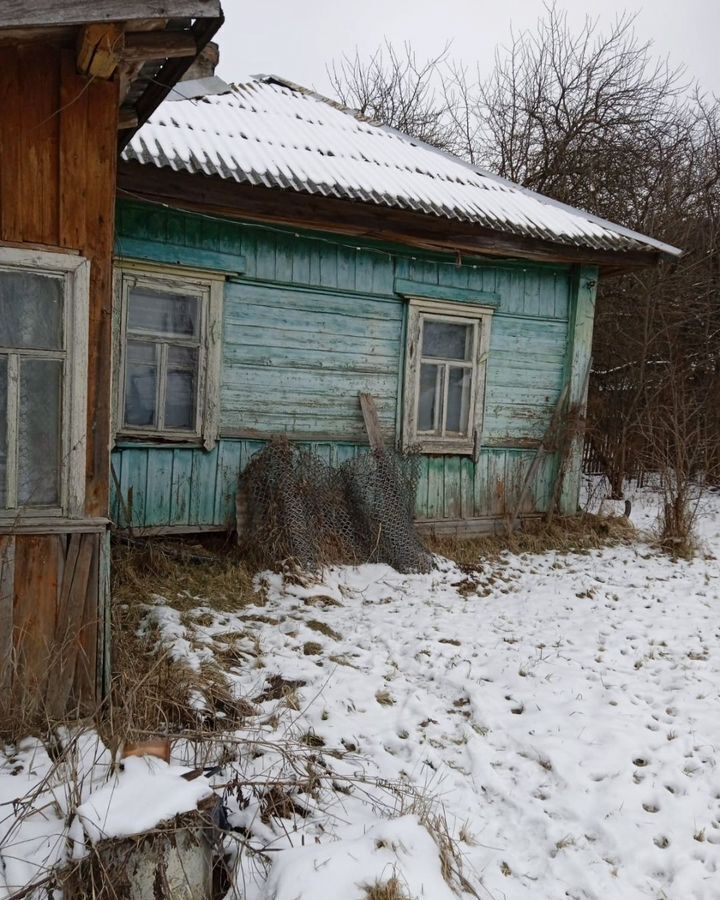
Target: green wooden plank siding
(294,361)
(450,487)
(309,323)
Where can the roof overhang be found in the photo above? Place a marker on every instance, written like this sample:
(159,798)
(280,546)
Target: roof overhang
(212,195)
(51,13)
(147,45)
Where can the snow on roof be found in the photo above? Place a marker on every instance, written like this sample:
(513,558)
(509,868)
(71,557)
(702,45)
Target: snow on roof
(269,132)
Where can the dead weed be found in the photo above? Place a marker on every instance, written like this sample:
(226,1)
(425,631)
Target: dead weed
(571,534)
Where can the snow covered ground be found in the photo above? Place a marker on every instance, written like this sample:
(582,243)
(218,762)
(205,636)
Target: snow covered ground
(561,710)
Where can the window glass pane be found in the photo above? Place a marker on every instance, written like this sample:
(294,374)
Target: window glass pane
(141,384)
(458,400)
(168,314)
(31,310)
(181,388)
(429,398)
(446,340)
(39,442)
(3,429)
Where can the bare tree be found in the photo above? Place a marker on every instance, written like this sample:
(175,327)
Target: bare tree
(596,120)
(394,88)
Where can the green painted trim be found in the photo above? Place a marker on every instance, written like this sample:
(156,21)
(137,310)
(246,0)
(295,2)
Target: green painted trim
(408,288)
(179,255)
(306,288)
(157,444)
(579,358)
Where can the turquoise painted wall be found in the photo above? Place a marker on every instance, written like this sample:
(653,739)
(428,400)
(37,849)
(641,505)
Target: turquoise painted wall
(307,324)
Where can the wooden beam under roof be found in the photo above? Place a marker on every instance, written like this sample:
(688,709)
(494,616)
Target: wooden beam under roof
(229,199)
(99,48)
(44,13)
(144,45)
(202,31)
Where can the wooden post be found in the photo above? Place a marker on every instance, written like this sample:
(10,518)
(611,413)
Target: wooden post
(580,331)
(372,421)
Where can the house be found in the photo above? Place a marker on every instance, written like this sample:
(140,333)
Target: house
(76,80)
(277,255)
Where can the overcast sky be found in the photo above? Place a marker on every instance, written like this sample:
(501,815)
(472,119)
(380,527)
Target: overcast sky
(296,39)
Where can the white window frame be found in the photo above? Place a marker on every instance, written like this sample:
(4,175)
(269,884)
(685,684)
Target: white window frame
(480,318)
(208,288)
(73,409)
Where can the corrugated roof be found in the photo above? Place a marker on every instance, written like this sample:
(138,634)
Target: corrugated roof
(272,133)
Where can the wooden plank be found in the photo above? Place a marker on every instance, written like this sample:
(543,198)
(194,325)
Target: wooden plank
(141,46)
(180,486)
(55,525)
(100,216)
(11,210)
(7,580)
(37,176)
(37,559)
(481,497)
(62,661)
(20,13)
(304,298)
(228,474)
(158,494)
(179,255)
(542,451)
(74,138)
(496,483)
(579,353)
(465,528)
(85,683)
(372,421)
(452,504)
(435,481)
(134,484)
(411,288)
(104,644)
(202,497)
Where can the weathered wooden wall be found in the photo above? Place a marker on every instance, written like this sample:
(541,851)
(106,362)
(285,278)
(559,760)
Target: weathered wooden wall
(58,134)
(309,323)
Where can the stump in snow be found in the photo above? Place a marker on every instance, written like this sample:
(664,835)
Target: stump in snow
(173,861)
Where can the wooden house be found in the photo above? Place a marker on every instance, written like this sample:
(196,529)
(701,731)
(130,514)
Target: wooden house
(76,80)
(277,255)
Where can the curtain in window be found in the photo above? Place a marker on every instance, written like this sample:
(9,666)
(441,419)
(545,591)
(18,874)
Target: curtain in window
(162,360)
(3,430)
(32,360)
(39,421)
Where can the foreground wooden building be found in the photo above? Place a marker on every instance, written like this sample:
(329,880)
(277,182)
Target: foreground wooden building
(277,256)
(76,80)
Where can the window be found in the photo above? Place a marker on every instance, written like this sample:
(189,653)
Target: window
(43,375)
(445,375)
(170,354)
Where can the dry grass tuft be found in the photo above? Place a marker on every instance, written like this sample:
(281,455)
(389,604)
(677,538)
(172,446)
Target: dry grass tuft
(182,571)
(152,693)
(570,534)
(385,890)
(322,628)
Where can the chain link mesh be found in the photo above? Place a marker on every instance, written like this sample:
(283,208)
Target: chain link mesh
(300,509)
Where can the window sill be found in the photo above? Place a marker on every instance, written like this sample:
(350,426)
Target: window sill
(155,438)
(443,447)
(34,524)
